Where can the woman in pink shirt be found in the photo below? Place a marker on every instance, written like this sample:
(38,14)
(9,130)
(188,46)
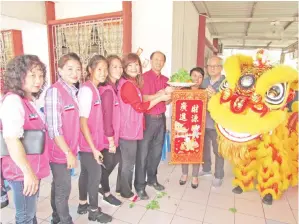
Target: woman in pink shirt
(132,120)
(24,81)
(91,139)
(111,121)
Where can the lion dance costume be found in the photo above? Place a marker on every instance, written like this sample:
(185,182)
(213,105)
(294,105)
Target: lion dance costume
(256,132)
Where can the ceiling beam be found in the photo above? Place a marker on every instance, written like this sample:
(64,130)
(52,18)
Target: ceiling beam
(252,47)
(204,5)
(291,47)
(259,37)
(285,27)
(249,23)
(247,20)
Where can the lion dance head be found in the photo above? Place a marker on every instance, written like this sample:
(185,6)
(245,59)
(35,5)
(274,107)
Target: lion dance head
(251,103)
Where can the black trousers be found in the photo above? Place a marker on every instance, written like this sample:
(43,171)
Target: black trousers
(110,162)
(128,156)
(149,151)
(60,193)
(89,179)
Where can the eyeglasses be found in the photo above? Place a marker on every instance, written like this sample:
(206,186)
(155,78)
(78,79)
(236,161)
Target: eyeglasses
(214,66)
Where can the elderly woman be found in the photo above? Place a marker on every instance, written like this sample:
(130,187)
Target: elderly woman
(23,82)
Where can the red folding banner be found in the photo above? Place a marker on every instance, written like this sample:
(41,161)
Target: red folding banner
(188,126)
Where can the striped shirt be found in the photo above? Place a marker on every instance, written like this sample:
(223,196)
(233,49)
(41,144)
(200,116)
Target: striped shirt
(53,108)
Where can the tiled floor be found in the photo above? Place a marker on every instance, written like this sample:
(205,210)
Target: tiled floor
(181,205)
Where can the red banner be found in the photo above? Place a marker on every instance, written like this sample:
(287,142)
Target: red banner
(188,126)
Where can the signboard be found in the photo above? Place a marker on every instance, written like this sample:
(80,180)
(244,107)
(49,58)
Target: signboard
(188,126)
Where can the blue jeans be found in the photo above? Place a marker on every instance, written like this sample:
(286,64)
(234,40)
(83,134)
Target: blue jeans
(25,205)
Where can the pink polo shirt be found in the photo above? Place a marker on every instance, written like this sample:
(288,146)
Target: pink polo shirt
(152,84)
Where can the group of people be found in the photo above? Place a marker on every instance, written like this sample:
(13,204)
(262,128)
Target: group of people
(116,117)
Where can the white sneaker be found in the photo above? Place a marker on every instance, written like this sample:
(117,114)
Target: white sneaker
(204,174)
(217,182)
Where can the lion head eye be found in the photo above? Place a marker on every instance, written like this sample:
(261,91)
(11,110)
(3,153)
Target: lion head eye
(276,94)
(223,85)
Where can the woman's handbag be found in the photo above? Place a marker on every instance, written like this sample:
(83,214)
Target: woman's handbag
(33,142)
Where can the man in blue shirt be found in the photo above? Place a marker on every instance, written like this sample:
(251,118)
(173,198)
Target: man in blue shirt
(211,84)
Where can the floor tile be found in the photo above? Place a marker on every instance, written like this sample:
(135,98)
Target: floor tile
(247,219)
(225,189)
(45,190)
(269,221)
(295,213)
(253,208)
(279,211)
(154,216)
(181,220)
(221,201)
(293,201)
(175,191)
(196,195)
(224,216)
(131,215)
(44,209)
(168,204)
(250,195)
(191,210)
(7,214)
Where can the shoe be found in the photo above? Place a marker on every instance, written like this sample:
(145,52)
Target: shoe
(55,221)
(268,199)
(237,190)
(183,182)
(204,174)
(99,216)
(111,199)
(142,195)
(83,209)
(157,186)
(101,191)
(217,182)
(194,186)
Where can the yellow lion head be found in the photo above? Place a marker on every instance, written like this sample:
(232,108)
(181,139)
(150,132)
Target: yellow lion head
(252,99)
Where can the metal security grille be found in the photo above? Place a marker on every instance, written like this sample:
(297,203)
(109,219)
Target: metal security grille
(6,53)
(88,38)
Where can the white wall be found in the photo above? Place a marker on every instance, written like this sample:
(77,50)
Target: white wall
(33,11)
(66,9)
(152,29)
(185,36)
(34,36)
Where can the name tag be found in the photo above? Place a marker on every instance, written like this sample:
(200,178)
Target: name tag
(97,102)
(33,116)
(69,107)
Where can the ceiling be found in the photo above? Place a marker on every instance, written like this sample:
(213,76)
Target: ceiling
(252,24)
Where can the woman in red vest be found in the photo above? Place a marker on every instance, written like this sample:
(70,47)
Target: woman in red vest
(62,118)
(24,81)
(111,121)
(132,120)
(91,139)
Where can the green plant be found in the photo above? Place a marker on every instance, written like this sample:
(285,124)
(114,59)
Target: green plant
(233,210)
(181,76)
(153,205)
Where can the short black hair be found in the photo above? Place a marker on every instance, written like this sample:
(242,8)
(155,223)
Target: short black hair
(198,69)
(155,52)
